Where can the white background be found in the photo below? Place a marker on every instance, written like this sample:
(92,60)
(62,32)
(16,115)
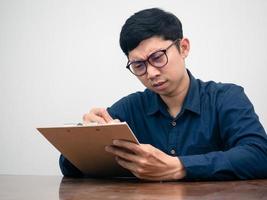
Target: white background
(59,58)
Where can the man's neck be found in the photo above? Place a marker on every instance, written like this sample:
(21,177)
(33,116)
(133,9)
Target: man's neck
(175,101)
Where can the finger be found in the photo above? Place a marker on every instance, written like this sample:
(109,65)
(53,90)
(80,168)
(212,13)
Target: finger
(129,165)
(102,112)
(133,147)
(142,174)
(139,172)
(114,121)
(122,153)
(86,119)
(147,178)
(142,177)
(95,114)
(89,118)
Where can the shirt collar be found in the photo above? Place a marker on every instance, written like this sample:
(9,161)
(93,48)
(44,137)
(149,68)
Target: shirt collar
(155,103)
(192,99)
(191,102)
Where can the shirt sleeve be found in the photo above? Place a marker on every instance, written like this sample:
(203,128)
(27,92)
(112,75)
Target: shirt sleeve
(244,140)
(120,109)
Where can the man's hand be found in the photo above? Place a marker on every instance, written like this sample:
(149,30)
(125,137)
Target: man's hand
(97,115)
(146,162)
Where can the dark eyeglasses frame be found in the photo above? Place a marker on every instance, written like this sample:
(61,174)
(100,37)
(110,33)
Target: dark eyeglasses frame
(148,58)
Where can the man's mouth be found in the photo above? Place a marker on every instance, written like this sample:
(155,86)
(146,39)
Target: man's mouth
(159,85)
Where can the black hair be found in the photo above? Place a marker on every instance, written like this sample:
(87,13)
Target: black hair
(148,23)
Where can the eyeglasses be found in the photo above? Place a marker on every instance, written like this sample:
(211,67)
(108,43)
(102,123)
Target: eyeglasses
(157,59)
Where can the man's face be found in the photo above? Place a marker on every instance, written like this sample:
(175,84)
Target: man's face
(170,79)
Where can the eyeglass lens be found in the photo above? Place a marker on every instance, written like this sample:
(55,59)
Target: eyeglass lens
(157,59)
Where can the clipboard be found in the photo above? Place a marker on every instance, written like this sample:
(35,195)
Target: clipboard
(84,146)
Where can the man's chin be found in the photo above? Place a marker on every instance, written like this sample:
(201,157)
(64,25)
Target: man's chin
(161,92)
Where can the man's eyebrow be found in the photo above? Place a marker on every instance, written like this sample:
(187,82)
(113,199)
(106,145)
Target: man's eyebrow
(153,51)
(149,53)
(137,60)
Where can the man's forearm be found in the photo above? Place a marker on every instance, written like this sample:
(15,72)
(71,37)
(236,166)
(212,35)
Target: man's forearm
(241,162)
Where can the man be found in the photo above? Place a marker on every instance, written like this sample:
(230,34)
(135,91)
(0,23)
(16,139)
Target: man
(188,129)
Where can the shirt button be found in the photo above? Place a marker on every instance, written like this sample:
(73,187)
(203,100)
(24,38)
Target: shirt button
(173,152)
(173,123)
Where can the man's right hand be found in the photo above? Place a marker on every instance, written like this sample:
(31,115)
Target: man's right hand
(97,115)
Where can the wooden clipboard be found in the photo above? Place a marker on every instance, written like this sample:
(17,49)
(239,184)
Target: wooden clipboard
(84,146)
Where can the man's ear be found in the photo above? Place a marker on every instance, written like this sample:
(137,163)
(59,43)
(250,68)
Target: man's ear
(184,47)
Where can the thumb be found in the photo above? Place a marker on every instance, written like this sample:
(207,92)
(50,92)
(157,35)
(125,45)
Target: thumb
(105,115)
(114,121)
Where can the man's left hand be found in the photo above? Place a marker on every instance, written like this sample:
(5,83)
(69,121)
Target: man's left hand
(146,162)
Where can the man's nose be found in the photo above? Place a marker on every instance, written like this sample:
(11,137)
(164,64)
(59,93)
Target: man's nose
(152,71)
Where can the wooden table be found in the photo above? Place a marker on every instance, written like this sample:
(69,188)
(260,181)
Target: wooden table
(56,187)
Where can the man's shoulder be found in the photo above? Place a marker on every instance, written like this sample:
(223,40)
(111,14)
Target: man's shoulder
(218,88)
(221,95)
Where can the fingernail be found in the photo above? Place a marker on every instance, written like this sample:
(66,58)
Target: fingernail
(115,142)
(107,148)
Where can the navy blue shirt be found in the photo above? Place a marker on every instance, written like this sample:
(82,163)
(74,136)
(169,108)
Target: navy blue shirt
(217,134)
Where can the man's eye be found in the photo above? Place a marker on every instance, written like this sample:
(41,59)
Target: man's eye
(157,57)
(138,65)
